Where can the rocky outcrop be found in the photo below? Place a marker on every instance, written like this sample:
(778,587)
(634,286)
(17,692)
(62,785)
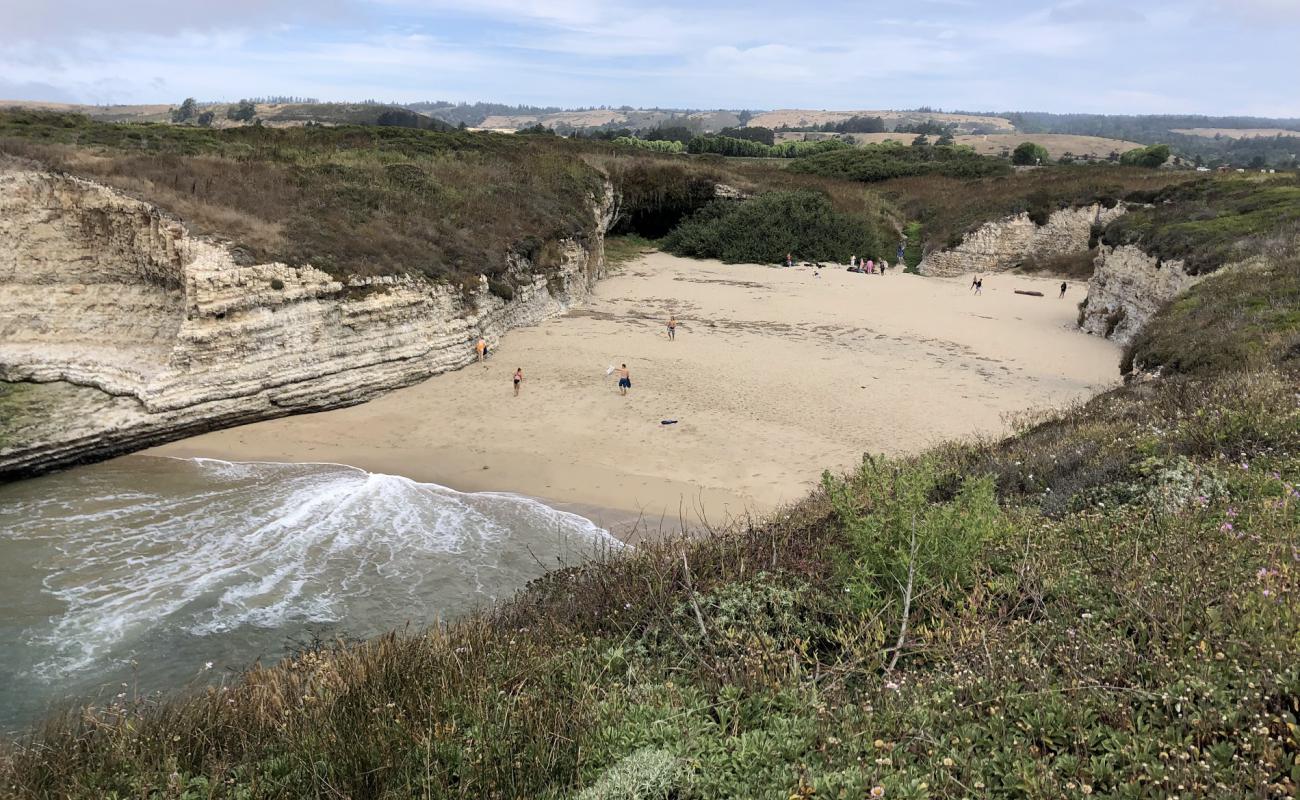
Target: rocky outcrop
(1127,288)
(1003,245)
(167,334)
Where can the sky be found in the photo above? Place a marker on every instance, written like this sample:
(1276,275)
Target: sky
(1100,56)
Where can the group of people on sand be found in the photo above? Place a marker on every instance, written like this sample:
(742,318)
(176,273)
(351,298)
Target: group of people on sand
(867,266)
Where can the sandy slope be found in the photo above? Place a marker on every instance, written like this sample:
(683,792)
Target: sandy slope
(774,376)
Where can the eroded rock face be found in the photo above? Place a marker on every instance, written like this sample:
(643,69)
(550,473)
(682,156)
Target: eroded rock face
(1002,245)
(1127,288)
(173,336)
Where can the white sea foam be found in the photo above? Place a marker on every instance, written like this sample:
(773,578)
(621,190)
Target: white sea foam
(206,547)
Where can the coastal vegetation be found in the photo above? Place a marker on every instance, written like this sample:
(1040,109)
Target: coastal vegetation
(1016,618)
(1104,603)
(1210,222)
(880,162)
(765,229)
(947,207)
(349,200)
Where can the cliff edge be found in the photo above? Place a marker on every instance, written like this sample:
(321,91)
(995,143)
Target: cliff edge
(140,332)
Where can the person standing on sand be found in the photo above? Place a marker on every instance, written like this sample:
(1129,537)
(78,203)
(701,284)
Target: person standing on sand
(672,327)
(624,380)
(519,378)
(480,347)
(979,286)
(884,265)
(1064,286)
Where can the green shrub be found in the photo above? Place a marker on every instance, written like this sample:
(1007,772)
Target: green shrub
(646,774)
(763,229)
(501,289)
(277,284)
(880,162)
(1030,154)
(899,539)
(1147,157)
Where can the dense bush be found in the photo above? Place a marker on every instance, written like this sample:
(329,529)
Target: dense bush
(764,229)
(879,162)
(654,145)
(1149,157)
(1030,154)
(730,146)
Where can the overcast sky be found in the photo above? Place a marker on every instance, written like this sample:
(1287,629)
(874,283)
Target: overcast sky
(1115,56)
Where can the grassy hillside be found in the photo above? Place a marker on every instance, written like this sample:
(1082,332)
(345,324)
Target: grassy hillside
(349,200)
(1104,604)
(949,207)
(1214,221)
(390,199)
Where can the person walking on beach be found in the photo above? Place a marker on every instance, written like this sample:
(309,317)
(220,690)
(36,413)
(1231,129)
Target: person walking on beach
(974,281)
(480,347)
(519,378)
(624,380)
(884,265)
(871,266)
(979,286)
(1064,286)
(672,327)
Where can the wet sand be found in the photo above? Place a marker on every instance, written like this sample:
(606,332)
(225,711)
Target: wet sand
(774,376)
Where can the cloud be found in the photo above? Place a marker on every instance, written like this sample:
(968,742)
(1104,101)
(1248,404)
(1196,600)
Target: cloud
(50,21)
(1262,11)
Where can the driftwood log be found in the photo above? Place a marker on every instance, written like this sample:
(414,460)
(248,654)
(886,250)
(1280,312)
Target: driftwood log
(1028,292)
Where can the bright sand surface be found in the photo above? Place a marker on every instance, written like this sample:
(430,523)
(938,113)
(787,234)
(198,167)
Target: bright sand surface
(775,375)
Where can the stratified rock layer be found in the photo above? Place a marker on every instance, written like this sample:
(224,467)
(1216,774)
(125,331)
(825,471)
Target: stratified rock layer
(1007,243)
(172,336)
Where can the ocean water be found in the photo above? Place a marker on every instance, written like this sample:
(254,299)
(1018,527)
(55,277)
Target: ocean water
(147,574)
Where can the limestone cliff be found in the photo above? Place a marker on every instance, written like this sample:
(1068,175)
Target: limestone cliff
(1002,245)
(154,334)
(1127,288)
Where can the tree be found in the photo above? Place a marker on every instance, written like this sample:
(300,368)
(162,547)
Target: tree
(1029,154)
(946,140)
(1149,157)
(921,141)
(243,111)
(186,112)
(537,130)
(206,118)
(755,134)
(1067,158)
(1257,162)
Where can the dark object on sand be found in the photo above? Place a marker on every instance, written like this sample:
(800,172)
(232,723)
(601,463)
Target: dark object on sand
(667,422)
(1028,292)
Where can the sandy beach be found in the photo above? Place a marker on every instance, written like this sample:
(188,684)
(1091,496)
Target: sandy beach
(775,375)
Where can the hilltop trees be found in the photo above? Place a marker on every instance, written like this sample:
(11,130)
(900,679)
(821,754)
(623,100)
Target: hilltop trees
(754,134)
(187,111)
(243,111)
(1149,157)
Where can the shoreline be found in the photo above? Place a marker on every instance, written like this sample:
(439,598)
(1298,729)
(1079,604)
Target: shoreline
(775,376)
